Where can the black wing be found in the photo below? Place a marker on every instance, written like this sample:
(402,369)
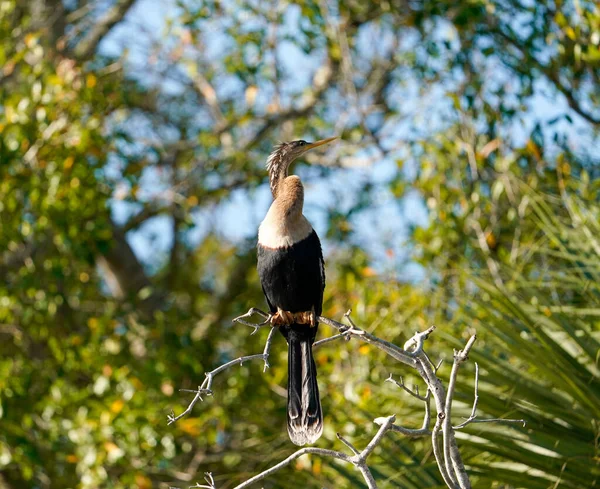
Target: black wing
(293,277)
(319,296)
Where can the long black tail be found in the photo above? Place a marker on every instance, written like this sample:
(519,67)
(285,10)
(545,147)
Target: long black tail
(304,414)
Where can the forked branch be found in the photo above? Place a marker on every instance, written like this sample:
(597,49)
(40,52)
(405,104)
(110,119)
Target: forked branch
(205,387)
(445,447)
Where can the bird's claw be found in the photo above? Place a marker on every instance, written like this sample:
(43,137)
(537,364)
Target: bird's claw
(310,318)
(282,318)
(286,318)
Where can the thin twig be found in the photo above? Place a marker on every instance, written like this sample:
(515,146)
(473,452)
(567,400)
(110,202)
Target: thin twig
(493,420)
(358,459)
(205,388)
(424,430)
(402,385)
(452,458)
(348,444)
(385,424)
(437,367)
(354,331)
(210,482)
(330,339)
(445,450)
(251,312)
(473,416)
(297,454)
(475,400)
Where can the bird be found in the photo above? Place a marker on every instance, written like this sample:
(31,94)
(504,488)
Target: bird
(292,274)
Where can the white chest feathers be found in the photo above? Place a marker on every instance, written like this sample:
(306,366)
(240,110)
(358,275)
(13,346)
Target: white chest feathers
(275,232)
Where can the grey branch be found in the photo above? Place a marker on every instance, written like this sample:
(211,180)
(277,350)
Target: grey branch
(251,312)
(475,400)
(403,386)
(443,437)
(473,416)
(424,430)
(210,482)
(452,459)
(348,444)
(205,387)
(358,459)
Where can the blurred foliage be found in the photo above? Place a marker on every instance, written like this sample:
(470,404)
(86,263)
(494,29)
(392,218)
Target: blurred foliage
(484,113)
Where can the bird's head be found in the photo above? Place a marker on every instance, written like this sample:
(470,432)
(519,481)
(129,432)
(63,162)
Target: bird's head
(284,154)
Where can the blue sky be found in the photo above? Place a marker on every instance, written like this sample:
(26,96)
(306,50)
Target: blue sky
(238,216)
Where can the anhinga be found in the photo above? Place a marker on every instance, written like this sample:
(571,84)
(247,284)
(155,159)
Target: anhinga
(292,274)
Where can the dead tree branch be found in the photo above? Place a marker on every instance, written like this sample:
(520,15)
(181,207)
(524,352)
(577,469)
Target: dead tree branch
(205,387)
(473,416)
(358,459)
(445,447)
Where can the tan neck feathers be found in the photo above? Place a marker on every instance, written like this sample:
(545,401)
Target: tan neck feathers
(290,197)
(284,225)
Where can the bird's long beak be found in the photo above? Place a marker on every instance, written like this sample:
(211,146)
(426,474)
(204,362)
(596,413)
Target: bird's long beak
(319,143)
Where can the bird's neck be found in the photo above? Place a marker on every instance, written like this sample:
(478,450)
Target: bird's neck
(284,225)
(289,201)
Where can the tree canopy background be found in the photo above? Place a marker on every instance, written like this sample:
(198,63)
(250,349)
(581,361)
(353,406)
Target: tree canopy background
(463,193)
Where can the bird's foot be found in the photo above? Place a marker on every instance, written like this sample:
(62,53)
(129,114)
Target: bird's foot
(286,318)
(312,316)
(282,318)
(306,317)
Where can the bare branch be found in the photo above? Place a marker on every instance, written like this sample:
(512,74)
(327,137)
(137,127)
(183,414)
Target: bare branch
(437,453)
(251,312)
(205,388)
(330,339)
(385,424)
(424,430)
(391,349)
(475,400)
(297,454)
(473,416)
(358,459)
(452,458)
(348,331)
(210,482)
(445,447)
(402,385)
(348,444)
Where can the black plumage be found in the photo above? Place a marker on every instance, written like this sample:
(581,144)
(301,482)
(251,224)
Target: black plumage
(293,280)
(292,274)
(293,277)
